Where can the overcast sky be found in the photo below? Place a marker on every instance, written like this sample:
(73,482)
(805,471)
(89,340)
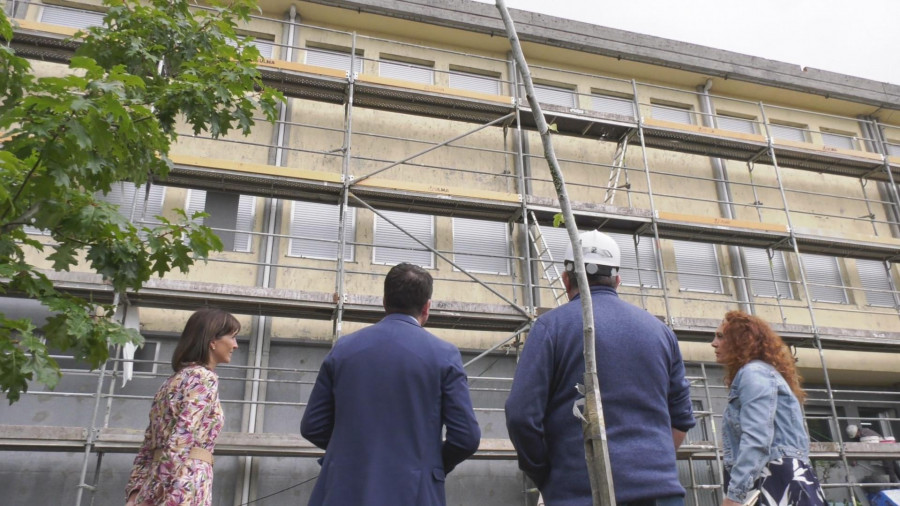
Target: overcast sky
(859,38)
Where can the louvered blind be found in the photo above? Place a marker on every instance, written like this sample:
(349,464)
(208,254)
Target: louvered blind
(698,267)
(406,71)
(338,60)
(612,105)
(196,202)
(823,275)
(671,113)
(557,240)
(787,133)
(474,82)
(767,280)
(392,246)
(314,231)
(835,140)
(481,246)
(875,282)
(638,266)
(70,17)
(555,95)
(246,213)
(734,124)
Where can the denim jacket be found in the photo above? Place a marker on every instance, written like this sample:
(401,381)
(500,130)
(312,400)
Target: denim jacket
(763,422)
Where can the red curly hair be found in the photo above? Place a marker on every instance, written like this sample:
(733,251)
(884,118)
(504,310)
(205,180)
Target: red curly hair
(751,338)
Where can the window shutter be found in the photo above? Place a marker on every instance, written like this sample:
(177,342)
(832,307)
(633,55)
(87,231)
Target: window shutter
(196,202)
(787,133)
(824,278)
(488,239)
(131,200)
(70,17)
(733,124)
(392,246)
(338,60)
(406,71)
(474,82)
(838,140)
(612,105)
(671,113)
(314,231)
(645,257)
(698,267)
(762,282)
(244,222)
(875,282)
(554,95)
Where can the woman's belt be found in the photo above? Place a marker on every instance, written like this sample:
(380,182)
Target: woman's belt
(196,453)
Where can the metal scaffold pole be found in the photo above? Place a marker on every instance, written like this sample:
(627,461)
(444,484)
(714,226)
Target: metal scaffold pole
(595,443)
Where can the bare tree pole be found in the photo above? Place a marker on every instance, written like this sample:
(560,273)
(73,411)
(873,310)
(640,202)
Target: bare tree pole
(596,449)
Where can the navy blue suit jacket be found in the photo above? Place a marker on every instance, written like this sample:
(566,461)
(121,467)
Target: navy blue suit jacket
(381,399)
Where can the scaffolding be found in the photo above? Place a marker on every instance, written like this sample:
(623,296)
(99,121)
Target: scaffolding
(340,163)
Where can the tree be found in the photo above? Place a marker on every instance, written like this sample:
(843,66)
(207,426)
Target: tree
(112,117)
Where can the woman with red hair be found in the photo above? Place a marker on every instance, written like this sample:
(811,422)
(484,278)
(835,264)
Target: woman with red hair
(765,441)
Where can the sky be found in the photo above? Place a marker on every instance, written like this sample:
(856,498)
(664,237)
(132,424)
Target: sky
(859,38)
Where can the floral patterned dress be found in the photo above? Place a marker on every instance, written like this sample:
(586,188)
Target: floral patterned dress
(185,413)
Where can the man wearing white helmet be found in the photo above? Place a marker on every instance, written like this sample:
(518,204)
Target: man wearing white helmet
(646,398)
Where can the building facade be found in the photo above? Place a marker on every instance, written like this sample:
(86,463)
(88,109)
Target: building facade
(729,181)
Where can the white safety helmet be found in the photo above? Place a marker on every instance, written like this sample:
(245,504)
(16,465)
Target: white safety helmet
(852,431)
(598,250)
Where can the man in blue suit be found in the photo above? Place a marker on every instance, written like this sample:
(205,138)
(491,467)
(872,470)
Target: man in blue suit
(380,402)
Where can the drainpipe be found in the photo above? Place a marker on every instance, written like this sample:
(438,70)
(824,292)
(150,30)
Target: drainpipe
(726,206)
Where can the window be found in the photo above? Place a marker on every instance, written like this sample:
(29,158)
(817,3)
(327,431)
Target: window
(638,267)
(74,18)
(471,81)
(338,59)
(735,123)
(554,95)
(676,113)
(392,246)
(145,357)
(698,267)
(489,239)
(788,131)
(612,105)
(230,215)
(879,420)
(134,203)
(838,139)
(893,147)
(265,47)
(314,231)
(824,278)
(767,279)
(822,426)
(876,283)
(416,72)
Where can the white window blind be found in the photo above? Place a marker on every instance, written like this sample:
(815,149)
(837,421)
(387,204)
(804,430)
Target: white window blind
(675,114)
(787,133)
(638,267)
(875,282)
(893,148)
(836,140)
(767,280)
(70,17)
(314,231)
(823,275)
(406,71)
(736,124)
(474,82)
(612,105)
(230,215)
(557,240)
(481,246)
(264,47)
(698,267)
(392,246)
(339,60)
(555,95)
(134,203)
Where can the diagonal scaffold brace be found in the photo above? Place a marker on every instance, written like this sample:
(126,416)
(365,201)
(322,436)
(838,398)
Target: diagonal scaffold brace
(595,443)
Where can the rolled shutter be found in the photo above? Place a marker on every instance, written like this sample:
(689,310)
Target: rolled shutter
(638,266)
(327,58)
(474,82)
(481,246)
(840,141)
(392,246)
(698,267)
(823,275)
(554,95)
(70,17)
(671,113)
(875,282)
(406,71)
(766,280)
(314,231)
(734,124)
(612,105)
(787,133)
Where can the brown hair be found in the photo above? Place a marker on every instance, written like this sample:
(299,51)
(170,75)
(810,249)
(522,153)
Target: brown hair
(751,338)
(202,328)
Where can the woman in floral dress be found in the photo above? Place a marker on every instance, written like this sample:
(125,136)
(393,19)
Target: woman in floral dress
(174,466)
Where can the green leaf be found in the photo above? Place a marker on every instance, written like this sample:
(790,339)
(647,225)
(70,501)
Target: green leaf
(559,220)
